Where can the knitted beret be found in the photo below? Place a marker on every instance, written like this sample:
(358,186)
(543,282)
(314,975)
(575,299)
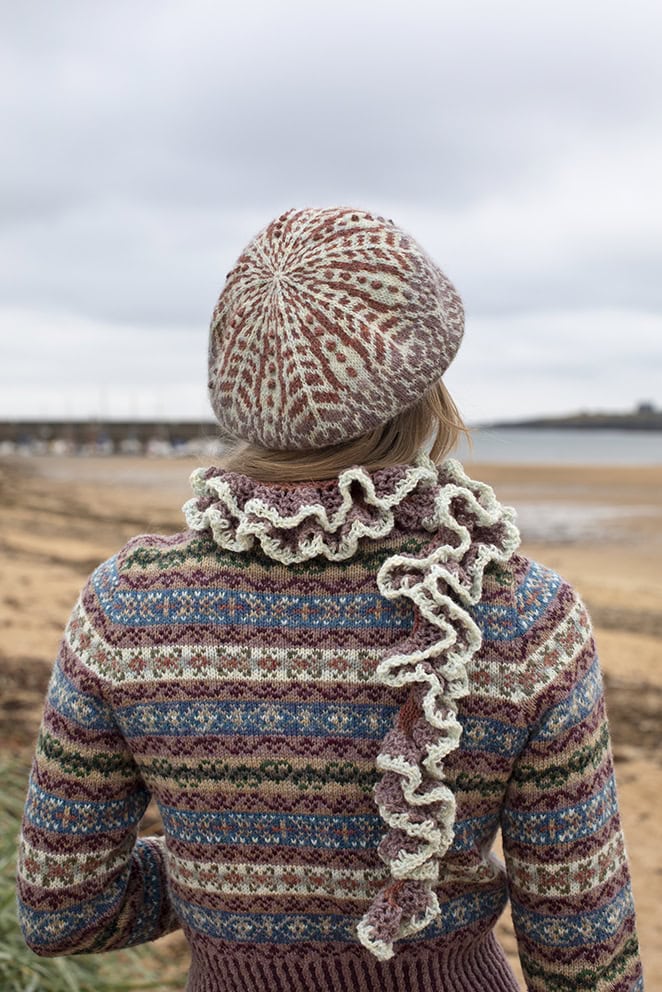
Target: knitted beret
(331,322)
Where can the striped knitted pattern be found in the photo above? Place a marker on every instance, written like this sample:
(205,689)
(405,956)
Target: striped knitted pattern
(238,692)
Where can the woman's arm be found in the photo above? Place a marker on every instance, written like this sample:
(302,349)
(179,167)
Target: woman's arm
(567,867)
(85,882)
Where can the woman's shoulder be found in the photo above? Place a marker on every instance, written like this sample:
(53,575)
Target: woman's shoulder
(536,635)
(522,582)
(153,555)
(145,570)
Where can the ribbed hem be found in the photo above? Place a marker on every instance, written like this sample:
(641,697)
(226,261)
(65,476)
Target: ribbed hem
(477,965)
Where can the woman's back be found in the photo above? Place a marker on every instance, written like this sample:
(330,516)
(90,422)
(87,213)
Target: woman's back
(230,671)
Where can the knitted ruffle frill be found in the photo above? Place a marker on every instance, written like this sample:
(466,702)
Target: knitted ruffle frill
(294,522)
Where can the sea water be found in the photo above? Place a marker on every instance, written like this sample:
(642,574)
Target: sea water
(522,446)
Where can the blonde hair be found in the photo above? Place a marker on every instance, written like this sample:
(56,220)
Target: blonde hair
(397,442)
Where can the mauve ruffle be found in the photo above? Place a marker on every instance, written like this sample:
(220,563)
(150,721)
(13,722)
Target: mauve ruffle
(298,521)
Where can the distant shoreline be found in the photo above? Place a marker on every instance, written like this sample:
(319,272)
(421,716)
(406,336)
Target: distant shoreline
(585,421)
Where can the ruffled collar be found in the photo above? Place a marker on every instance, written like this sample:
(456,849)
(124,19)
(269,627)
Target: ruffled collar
(297,521)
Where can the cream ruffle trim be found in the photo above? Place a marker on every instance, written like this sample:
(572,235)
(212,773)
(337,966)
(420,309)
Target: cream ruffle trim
(417,807)
(441,585)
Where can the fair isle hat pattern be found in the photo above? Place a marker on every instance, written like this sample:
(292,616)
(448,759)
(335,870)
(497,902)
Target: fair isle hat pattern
(331,322)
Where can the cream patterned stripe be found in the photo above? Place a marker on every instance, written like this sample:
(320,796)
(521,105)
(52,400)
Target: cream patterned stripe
(200,662)
(262,878)
(192,661)
(571,877)
(268,879)
(541,668)
(58,871)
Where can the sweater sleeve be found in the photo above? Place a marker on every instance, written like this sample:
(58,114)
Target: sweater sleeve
(567,867)
(85,882)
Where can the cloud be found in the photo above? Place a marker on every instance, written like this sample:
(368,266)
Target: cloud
(61,365)
(536,364)
(146,143)
(508,366)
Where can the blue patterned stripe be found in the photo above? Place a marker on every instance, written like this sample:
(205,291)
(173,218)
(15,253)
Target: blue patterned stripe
(166,607)
(82,709)
(273,829)
(291,928)
(573,710)
(149,857)
(358,832)
(50,927)
(83,817)
(494,736)
(44,927)
(593,927)
(474,832)
(356,720)
(564,826)
(185,719)
(360,611)
(533,596)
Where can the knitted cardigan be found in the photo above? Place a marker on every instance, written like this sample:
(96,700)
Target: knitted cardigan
(337,693)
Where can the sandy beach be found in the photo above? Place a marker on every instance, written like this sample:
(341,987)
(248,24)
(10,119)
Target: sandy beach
(600,527)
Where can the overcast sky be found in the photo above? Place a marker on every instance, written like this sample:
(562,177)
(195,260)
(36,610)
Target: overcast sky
(145,142)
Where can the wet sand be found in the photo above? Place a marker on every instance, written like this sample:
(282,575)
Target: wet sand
(599,527)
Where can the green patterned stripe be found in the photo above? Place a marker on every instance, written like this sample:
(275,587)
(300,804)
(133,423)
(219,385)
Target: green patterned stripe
(500,575)
(199,549)
(586,979)
(195,549)
(468,782)
(80,765)
(557,775)
(273,771)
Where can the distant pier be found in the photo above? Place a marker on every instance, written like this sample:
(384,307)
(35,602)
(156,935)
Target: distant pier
(65,437)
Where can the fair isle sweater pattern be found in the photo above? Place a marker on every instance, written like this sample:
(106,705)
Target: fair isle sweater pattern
(236,686)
